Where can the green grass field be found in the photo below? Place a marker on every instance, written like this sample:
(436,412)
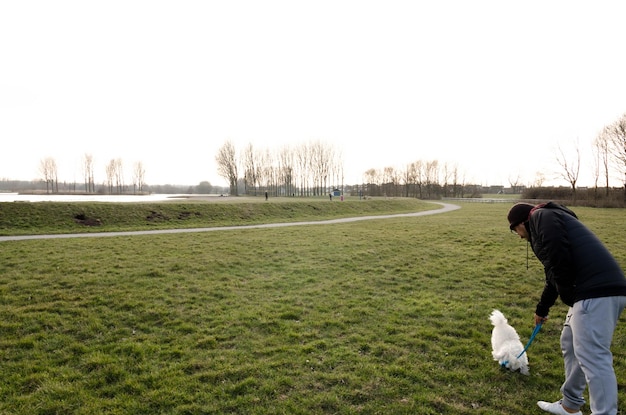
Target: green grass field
(372,317)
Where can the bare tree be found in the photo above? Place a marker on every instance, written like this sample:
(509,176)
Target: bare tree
(119,176)
(391,180)
(336,168)
(286,167)
(431,173)
(139,174)
(569,170)
(408,180)
(446,173)
(515,184)
(457,188)
(303,166)
(48,169)
(227,165)
(419,173)
(617,144)
(110,174)
(88,173)
(114,171)
(321,155)
(373,179)
(595,168)
(267,171)
(372,176)
(387,174)
(540,178)
(601,160)
(250,169)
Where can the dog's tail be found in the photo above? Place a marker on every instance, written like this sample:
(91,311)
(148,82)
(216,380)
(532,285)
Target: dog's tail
(497,318)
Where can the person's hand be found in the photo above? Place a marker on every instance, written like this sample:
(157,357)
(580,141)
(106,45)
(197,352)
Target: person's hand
(539,319)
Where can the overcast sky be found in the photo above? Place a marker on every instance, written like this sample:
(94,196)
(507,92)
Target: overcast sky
(493,87)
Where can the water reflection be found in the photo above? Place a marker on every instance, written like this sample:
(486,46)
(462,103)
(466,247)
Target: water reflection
(16,197)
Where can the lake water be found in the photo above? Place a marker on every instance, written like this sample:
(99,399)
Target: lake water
(16,197)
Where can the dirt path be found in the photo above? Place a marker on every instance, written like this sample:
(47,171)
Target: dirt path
(446,207)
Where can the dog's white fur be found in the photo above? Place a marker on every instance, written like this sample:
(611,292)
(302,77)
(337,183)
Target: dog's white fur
(506,344)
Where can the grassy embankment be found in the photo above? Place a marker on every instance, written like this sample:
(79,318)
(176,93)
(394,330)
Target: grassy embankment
(76,217)
(375,317)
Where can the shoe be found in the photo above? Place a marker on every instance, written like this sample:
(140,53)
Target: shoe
(556,408)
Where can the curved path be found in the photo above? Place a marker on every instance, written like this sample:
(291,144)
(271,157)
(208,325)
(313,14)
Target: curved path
(446,207)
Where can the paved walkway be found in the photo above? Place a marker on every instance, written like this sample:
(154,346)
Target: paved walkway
(446,207)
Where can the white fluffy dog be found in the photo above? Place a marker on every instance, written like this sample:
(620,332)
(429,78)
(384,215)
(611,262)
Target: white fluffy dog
(506,344)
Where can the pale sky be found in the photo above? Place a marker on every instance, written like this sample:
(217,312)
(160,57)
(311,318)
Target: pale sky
(491,86)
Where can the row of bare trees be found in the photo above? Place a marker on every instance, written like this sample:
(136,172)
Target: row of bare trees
(609,156)
(114,176)
(429,179)
(314,168)
(423,179)
(308,169)
(610,152)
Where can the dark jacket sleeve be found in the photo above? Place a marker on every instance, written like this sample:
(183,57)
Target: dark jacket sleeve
(548,298)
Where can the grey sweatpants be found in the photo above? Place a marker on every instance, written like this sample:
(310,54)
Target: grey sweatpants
(586,345)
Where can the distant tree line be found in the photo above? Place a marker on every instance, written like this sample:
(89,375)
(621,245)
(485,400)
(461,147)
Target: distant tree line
(39,186)
(309,169)
(316,168)
(114,177)
(609,158)
(114,182)
(608,165)
(586,196)
(610,153)
(422,179)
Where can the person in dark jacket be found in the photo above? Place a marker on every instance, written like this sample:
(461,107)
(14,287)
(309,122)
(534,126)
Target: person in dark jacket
(582,272)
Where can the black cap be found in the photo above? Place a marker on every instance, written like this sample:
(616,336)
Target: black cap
(519,213)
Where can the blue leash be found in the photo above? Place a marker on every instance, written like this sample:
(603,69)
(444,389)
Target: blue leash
(532,337)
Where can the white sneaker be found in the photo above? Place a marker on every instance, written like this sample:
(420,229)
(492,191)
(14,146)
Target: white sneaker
(556,408)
